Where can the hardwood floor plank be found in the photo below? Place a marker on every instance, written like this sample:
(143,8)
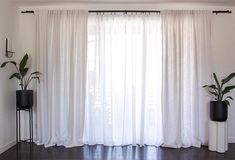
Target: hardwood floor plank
(99,152)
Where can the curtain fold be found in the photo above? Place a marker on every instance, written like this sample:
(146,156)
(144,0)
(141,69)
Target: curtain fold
(61,57)
(123,97)
(186,68)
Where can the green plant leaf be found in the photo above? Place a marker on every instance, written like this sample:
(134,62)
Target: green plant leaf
(36,72)
(214,93)
(37,79)
(211,86)
(216,80)
(5,63)
(219,97)
(229,97)
(231,76)
(15,75)
(227,89)
(227,102)
(24,72)
(23,62)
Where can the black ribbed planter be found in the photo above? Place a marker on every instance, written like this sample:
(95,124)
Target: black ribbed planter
(218,111)
(24,99)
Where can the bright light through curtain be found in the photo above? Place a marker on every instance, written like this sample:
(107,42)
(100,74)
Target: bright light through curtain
(61,57)
(124,80)
(186,68)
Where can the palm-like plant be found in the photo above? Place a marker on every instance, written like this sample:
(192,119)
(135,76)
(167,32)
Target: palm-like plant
(21,72)
(219,90)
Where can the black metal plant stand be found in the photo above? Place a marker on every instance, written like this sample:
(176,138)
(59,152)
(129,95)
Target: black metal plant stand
(18,126)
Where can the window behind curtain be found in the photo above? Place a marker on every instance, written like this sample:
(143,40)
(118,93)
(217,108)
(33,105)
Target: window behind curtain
(124,74)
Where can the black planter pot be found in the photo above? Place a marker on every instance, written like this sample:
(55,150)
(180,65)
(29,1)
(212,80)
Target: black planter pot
(24,99)
(218,111)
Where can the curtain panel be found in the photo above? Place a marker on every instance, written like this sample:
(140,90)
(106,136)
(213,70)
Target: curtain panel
(124,73)
(186,68)
(61,57)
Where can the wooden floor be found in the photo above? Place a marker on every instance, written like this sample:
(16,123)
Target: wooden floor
(100,152)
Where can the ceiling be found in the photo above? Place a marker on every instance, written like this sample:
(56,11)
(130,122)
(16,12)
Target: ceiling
(133,1)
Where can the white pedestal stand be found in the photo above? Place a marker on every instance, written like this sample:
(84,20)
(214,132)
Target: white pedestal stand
(218,139)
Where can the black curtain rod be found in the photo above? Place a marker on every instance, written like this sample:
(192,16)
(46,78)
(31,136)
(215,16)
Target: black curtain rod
(217,12)
(27,12)
(141,11)
(124,11)
(144,11)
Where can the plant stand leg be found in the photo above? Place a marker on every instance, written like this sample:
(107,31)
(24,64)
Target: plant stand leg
(30,136)
(32,126)
(17,139)
(19,132)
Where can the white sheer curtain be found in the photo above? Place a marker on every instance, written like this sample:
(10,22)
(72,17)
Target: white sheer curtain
(61,57)
(124,73)
(139,82)
(186,68)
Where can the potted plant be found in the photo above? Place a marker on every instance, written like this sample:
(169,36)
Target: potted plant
(24,97)
(219,106)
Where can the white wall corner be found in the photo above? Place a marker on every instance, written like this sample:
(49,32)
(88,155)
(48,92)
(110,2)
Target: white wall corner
(7,146)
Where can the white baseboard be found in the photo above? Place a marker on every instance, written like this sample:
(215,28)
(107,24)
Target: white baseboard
(7,146)
(231,139)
